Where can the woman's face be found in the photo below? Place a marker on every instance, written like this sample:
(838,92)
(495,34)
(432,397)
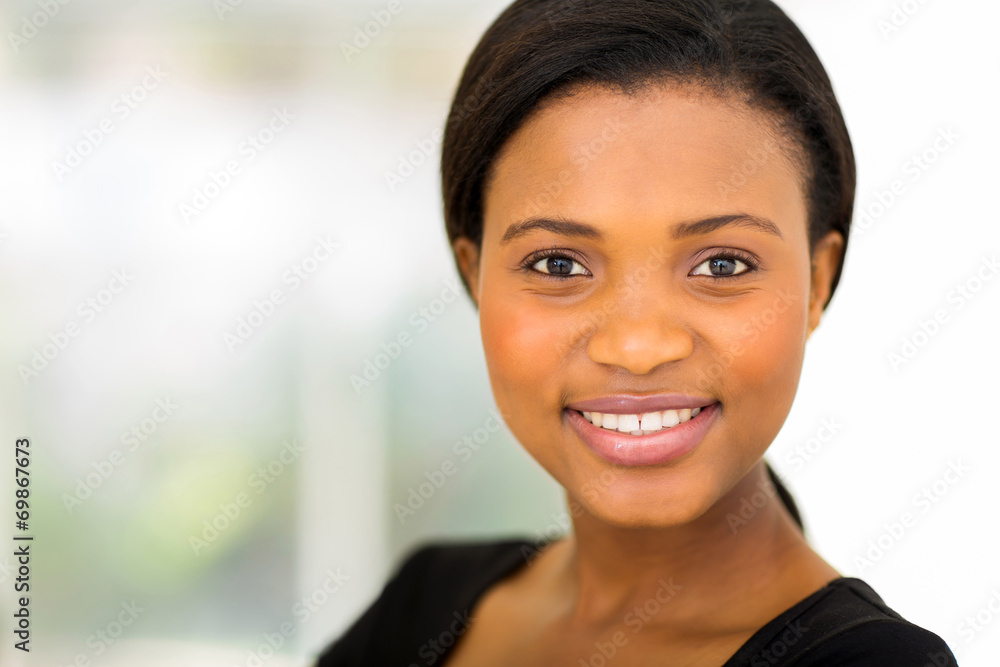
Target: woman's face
(634,296)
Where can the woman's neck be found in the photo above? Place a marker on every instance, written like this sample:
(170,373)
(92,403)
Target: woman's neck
(737,564)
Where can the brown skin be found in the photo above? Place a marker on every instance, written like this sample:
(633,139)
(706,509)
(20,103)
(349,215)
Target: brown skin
(644,313)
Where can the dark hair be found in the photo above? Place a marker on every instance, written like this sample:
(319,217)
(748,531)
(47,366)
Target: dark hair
(785,496)
(537,49)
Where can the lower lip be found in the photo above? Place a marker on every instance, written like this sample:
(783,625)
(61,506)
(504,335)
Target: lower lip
(641,450)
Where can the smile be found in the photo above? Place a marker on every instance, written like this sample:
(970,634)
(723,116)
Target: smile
(640,424)
(646,438)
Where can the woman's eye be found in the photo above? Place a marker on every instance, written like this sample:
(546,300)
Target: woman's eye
(559,265)
(723,266)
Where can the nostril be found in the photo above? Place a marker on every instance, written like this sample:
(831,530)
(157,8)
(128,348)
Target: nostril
(637,346)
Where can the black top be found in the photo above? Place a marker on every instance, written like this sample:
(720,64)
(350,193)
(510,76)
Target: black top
(423,610)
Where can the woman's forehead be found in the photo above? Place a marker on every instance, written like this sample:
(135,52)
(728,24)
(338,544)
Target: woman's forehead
(680,152)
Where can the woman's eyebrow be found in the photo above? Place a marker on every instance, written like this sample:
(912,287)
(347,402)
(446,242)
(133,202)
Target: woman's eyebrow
(685,229)
(556,226)
(738,219)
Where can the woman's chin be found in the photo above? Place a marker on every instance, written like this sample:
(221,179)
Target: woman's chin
(646,512)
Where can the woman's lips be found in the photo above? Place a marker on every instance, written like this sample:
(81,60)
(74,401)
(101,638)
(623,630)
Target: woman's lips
(653,448)
(638,404)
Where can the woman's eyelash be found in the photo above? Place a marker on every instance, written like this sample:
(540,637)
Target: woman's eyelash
(749,260)
(536,257)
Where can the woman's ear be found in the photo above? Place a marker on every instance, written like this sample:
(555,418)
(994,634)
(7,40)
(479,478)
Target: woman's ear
(826,257)
(467,257)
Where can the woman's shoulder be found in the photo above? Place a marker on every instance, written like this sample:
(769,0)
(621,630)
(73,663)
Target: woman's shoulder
(458,570)
(846,622)
(430,557)
(425,605)
(424,608)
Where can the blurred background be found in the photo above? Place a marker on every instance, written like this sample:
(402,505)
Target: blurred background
(235,337)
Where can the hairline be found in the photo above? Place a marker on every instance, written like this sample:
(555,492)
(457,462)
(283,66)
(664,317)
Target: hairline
(738,97)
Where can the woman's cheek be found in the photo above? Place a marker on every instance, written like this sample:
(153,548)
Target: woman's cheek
(520,357)
(767,372)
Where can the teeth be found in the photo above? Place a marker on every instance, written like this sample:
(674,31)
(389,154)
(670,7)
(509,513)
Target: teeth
(641,424)
(628,423)
(652,421)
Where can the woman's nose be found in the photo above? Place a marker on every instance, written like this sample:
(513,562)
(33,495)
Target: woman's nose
(640,332)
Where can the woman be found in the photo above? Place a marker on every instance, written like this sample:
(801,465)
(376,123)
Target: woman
(649,203)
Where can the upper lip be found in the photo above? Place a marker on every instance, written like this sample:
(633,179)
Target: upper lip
(629,404)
